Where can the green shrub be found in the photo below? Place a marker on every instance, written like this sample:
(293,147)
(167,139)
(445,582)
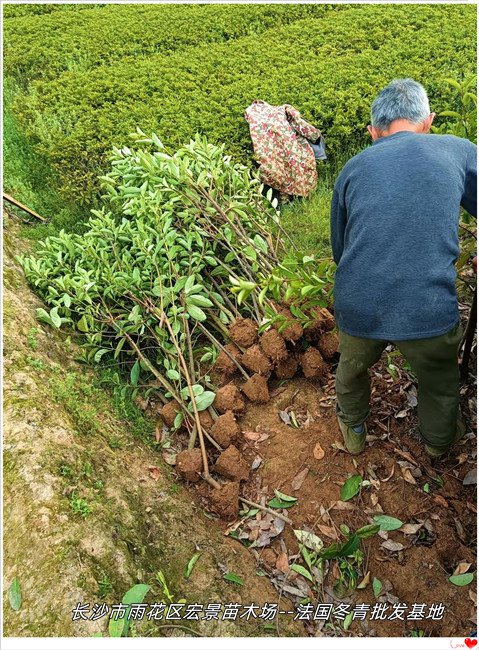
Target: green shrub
(41,46)
(330,67)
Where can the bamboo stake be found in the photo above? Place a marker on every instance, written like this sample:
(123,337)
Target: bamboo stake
(10,199)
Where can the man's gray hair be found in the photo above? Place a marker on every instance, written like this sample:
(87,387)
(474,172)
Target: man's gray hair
(402,99)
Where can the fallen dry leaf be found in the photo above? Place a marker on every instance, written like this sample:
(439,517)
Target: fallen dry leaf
(329,531)
(342,505)
(441,501)
(406,455)
(169,458)
(318,452)
(410,529)
(394,547)
(252,435)
(365,581)
(391,474)
(154,472)
(462,567)
(407,476)
(298,480)
(282,563)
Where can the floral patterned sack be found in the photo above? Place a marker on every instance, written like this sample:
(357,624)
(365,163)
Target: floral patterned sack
(282,145)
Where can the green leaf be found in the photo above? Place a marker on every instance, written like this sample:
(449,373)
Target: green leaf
(191,564)
(43,315)
(462,579)
(196,313)
(350,547)
(377,586)
(285,497)
(204,400)
(82,324)
(199,301)
(368,531)
(173,374)
(135,373)
(55,318)
(302,571)
(351,487)
(99,354)
(134,595)
(277,503)
(15,595)
(232,577)
(348,620)
(387,523)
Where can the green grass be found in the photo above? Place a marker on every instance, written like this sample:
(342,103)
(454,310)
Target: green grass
(307,221)
(29,178)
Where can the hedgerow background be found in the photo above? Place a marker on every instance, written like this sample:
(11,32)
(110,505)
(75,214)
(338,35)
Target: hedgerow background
(80,79)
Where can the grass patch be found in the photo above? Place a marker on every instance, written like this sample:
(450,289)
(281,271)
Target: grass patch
(307,221)
(29,178)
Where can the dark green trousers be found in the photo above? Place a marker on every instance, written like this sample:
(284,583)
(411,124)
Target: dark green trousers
(434,361)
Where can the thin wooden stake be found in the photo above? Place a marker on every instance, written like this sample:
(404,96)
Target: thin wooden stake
(10,199)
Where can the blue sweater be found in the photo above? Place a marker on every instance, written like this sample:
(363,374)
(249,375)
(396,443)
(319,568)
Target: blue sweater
(394,234)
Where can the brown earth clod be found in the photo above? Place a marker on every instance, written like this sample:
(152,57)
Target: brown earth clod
(224,501)
(313,364)
(256,389)
(328,345)
(293,330)
(206,420)
(287,369)
(224,363)
(225,429)
(228,398)
(232,465)
(256,361)
(273,345)
(189,463)
(244,332)
(169,412)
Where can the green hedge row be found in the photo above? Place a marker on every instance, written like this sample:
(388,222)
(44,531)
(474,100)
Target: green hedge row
(330,67)
(43,46)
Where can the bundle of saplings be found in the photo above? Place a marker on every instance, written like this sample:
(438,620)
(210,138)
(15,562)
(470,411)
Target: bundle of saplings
(186,278)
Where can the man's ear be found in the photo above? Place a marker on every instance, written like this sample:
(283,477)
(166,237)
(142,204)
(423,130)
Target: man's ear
(374,132)
(426,125)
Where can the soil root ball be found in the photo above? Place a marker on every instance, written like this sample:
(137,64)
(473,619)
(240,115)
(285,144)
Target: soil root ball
(326,320)
(224,501)
(256,389)
(244,332)
(313,364)
(189,463)
(225,429)
(287,369)
(293,330)
(229,398)
(255,360)
(273,345)
(169,412)
(232,465)
(224,363)
(328,345)
(206,420)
